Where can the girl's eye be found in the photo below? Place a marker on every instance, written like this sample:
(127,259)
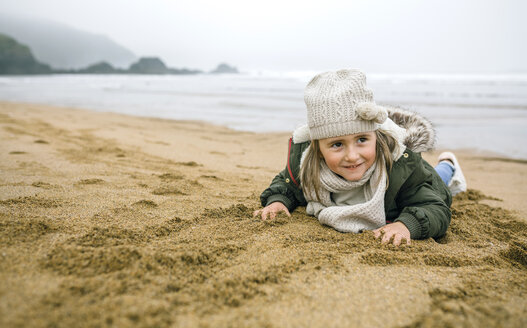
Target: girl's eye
(336,145)
(363,139)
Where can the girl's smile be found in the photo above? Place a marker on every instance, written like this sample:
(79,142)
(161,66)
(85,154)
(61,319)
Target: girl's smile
(349,156)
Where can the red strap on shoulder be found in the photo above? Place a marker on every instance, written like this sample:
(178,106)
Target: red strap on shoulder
(289,164)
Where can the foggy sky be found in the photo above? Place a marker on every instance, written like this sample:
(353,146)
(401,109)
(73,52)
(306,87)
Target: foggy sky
(432,36)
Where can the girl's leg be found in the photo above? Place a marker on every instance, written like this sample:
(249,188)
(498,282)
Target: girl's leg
(450,171)
(445,169)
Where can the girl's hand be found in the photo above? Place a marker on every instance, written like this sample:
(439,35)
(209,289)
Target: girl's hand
(271,210)
(398,231)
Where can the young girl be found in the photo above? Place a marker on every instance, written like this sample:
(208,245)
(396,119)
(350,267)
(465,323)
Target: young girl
(358,166)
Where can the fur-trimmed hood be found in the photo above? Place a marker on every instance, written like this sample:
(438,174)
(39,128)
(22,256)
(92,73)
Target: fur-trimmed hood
(413,130)
(420,134)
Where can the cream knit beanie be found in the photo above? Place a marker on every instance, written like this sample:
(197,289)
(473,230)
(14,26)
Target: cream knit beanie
(338,103)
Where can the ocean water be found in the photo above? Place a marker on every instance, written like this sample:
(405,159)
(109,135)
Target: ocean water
(484,112)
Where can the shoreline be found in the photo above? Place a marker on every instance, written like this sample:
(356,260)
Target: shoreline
(111,219)
(477,151)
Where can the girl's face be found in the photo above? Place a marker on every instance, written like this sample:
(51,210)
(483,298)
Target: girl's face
(349,156)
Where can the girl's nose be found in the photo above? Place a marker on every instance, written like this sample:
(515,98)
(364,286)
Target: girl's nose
(351,154)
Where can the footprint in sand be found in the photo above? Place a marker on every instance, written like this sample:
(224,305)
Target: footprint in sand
(145,203)
(191,163)
(170,176)
(31,201)
(516,254)
(12,232)
(90,181)
(212,177)
(89,261)
(168,191)
(40,184)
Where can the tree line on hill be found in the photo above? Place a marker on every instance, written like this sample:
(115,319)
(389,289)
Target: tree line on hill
(17,59)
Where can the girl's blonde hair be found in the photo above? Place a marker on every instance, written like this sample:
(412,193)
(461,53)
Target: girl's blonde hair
(310,168)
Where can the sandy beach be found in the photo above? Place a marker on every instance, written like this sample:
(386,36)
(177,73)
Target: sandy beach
(115,220)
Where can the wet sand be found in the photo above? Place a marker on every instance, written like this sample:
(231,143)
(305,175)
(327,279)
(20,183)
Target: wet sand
(113,220)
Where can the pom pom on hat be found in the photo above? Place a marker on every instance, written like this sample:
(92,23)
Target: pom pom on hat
(371,112)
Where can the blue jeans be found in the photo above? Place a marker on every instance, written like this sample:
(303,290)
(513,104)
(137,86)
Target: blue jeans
(445,170)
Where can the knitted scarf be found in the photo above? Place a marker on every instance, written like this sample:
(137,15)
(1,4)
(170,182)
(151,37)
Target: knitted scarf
(367,215)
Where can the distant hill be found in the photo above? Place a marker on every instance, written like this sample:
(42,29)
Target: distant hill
(16,58)
(99,68)
(154,65)
(225,68)
(148,65)
(62,46)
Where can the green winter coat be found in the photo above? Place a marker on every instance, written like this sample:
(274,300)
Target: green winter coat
(416,195)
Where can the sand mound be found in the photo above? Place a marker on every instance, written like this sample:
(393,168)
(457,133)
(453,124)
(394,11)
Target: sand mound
(226,259)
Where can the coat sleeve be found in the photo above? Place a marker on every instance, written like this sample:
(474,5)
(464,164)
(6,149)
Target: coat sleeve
(424,211)
(282,190)
(285,187)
